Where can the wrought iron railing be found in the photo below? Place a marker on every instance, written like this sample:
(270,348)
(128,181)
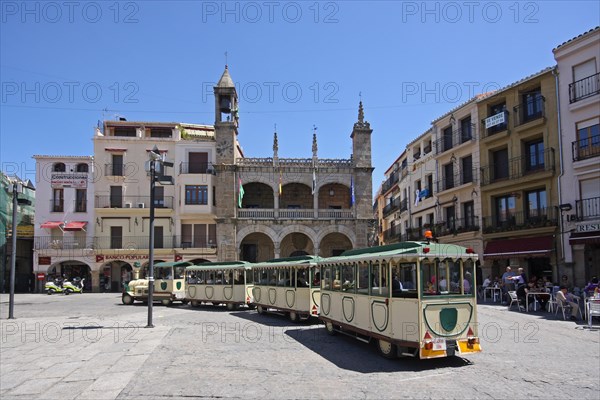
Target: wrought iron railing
(588,208)
(196,168)
(492,130)
(520,220)
(517,167)
(391,181)
(295,213)
(586,148)
(529,110)
(457,225)
(133,202)
(584,88)
(458,137)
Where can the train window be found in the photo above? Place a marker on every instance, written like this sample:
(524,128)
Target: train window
(179,272)
(316,277)
(302,277)
(284,277)
(363,278)
(455,277)
(248,275)
(428,277)
(210,278)
(379,284)
(404,280)
(468,282)
(326,279)
(348,278)
(337,283)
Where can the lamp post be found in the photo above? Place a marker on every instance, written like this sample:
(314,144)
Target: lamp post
(151,166)
(16,188)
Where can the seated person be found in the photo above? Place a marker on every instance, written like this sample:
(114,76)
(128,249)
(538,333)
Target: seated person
(317,279)
(396,284)
(443,284)
(591,287)
(487,281)
(564,298)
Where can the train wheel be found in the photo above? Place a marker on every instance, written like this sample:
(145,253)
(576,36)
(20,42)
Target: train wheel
(127,299)
(293,316)
(386,349)
(260,309)
(166,302)
(231,306)
(330,329)
(195,303)
(184,302)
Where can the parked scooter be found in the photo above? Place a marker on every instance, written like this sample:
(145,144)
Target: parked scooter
(55,286)
(73,287)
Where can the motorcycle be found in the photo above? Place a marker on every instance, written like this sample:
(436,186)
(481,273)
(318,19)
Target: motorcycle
(73,287)
(55,286)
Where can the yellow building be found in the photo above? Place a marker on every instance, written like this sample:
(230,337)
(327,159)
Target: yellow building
(519,171)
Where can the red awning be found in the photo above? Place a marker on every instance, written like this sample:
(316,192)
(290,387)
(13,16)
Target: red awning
(75,226)
(52,224)
(585,238)
(524,247)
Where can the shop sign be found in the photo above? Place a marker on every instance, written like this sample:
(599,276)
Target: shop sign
(44,260)
(69,180)
(588,227)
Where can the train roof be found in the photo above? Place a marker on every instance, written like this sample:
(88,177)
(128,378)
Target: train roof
(287,262)
(218,265)
(172,264)
(402,251)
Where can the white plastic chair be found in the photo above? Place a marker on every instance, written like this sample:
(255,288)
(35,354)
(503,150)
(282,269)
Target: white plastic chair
(514,300)
(593,311)
(552,302)
(564,307)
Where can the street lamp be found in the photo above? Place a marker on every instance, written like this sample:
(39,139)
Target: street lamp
(15,187)
(156,163)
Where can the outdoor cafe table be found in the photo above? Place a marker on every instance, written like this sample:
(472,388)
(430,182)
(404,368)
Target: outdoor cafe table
(493,293)
(534,294)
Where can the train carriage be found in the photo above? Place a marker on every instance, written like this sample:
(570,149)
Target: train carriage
(219,283)
(414,298)
(287,285)
(169,284)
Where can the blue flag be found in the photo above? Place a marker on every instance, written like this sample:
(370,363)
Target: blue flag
(352,199)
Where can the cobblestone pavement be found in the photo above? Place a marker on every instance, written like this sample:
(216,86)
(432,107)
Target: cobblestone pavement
(91,347)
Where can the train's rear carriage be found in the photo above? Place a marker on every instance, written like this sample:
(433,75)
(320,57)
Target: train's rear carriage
(287,285)
(219,283)
(375,294)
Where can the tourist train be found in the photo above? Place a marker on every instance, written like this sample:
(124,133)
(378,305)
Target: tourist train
(414,299)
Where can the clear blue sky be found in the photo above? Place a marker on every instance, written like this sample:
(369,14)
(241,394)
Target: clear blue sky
(298,64)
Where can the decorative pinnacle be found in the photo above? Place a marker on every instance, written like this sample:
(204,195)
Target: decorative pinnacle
(275,141)
(315,148)
(361,113)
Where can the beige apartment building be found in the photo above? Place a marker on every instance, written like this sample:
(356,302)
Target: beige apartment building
(578,64)
(519,176)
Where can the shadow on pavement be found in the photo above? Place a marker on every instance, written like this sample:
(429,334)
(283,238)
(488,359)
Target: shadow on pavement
(351,354)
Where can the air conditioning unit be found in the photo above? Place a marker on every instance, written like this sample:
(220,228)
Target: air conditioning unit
(128,205)
(141,205)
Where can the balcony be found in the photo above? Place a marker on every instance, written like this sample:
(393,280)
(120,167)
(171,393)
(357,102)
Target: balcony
(457,138)
(456,226)
(521,220)
(517,167)
(586,148)
(133,202)
(392,234)
(390,182)
(463,177)
(100,243)
(394,205)
(196,168)
(584,88)
(499,127)
(530,110)
(588,208)
(294,213)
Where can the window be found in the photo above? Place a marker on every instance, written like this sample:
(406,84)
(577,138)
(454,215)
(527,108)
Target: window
(158,237)
(406,274)
(58,200)
(196,194)
(536,203)
(58,167)
(505,209)
(80,200)
(466,130)
(447,137)
(585,81)
(500,166)
(348,278)
(198,162)
(159,196)
(469,214)
(117,165)
(116,196)
(467,169)
(495,110)
(450,217)
(534,155)
(82,168)
(448,176)
(429,187)
(116,237)
(533,105)
(588,140)
(162,132)
(126,131)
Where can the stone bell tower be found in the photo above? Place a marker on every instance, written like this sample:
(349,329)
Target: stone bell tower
(362,175)
(226,186)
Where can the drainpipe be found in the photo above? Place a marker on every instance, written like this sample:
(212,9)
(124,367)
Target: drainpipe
(560,152)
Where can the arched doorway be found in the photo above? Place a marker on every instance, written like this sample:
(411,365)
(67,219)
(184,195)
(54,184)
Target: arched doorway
(334,244)
(71,269)
(296,243)
(114,274)
(257,247)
